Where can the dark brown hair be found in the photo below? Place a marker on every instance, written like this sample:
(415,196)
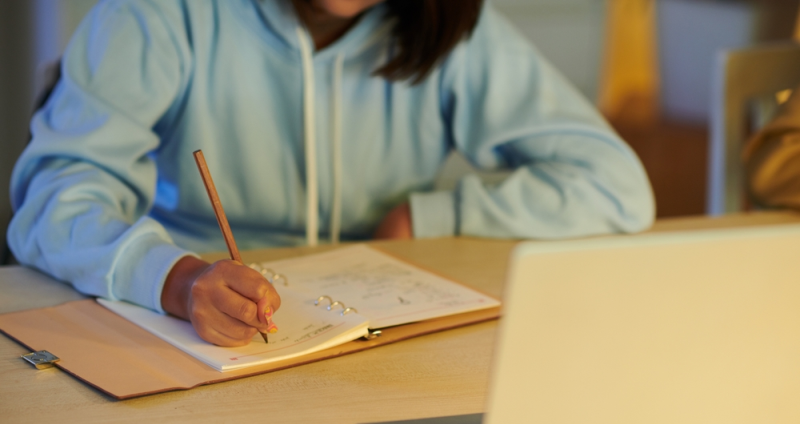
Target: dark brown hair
(426,32)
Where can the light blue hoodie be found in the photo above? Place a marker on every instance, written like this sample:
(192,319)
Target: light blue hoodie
(301,143)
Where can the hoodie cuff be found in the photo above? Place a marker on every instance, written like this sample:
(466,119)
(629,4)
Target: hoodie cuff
(433,214)
(141,279)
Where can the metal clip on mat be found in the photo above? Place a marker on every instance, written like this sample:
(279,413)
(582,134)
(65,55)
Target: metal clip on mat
(41,359)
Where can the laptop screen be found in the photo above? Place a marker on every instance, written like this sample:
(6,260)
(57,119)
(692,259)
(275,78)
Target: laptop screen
(686,327)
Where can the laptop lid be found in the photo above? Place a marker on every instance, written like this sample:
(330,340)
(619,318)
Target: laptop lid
(700,327)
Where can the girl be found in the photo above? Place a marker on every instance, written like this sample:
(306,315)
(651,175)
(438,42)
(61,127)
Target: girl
(319,118)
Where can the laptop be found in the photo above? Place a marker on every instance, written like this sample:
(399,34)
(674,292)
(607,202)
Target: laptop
(695,327)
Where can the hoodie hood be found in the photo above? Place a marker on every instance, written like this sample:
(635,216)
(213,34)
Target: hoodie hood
(282,21)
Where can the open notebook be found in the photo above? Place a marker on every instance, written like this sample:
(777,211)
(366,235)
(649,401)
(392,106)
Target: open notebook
(355,289)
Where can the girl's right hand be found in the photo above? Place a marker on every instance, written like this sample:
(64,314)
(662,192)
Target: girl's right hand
(225,301)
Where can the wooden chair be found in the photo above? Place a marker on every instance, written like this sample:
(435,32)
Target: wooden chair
(745,85)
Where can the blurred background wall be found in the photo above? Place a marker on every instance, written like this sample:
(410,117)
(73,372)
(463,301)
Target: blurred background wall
(16,90)
(690,32)
(570,33)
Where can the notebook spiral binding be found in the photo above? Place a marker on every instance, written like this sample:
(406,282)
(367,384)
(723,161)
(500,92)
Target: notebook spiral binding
(371,334)
(271,276)
(334,303)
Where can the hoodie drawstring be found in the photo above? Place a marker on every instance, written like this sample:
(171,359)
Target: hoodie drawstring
(336,208)
(312,188)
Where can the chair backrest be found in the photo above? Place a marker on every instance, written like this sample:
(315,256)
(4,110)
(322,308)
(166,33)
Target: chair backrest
(742,78)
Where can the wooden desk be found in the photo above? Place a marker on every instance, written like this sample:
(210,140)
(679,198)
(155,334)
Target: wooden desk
(440,374)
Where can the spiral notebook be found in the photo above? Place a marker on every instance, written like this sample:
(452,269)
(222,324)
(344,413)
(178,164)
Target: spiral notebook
(327,299)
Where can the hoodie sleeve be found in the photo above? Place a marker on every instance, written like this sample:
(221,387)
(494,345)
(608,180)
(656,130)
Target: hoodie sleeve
(507,108)
(82,187)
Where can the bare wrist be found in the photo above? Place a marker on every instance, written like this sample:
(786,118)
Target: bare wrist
(178,285)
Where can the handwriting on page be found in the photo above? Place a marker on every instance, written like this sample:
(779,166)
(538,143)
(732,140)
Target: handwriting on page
(384,289)
(387,282)
(314,332)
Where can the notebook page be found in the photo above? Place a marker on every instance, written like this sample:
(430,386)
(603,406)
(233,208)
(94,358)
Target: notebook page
(382,288)
(303,329)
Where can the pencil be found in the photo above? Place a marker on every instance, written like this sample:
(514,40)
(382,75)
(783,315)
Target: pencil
(222,220)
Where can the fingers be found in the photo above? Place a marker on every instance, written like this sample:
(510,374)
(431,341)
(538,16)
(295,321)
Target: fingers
(238,307)
(215,326)
(230,302)
(232,335)
(250,284)
(246,281)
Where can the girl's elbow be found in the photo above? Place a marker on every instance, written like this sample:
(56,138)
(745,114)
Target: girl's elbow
(640,211)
